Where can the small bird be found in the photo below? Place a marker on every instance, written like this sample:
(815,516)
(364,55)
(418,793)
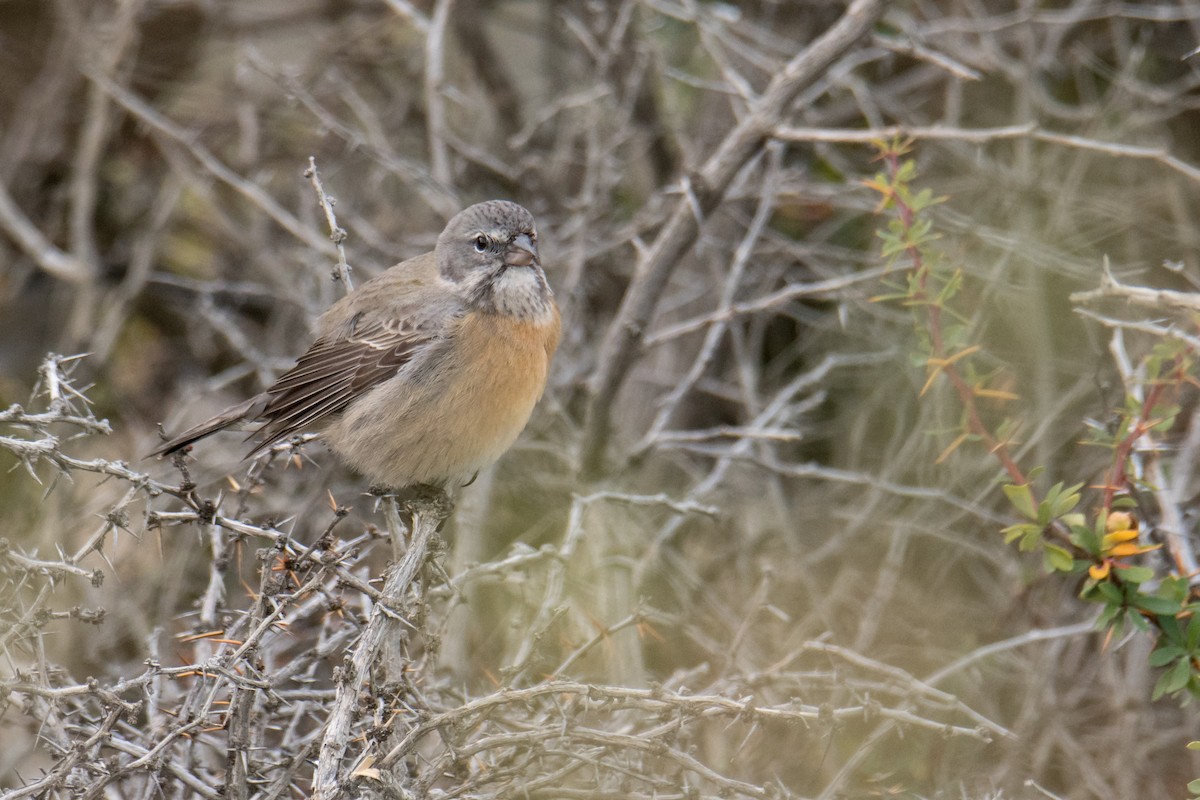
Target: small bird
(428,372)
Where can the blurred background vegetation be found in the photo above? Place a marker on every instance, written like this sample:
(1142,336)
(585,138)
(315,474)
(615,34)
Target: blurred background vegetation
(155,214)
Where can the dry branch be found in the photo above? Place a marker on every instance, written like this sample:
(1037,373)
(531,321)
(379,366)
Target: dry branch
(701,192)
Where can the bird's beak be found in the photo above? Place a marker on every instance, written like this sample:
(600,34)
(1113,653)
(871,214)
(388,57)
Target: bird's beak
(521,252)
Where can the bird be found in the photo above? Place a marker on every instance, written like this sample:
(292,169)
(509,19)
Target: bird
(428,372)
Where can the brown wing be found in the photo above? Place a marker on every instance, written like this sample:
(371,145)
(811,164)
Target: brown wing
(333,372)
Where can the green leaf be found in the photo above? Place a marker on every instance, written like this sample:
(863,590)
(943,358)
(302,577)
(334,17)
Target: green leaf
(1109,616)
(1024,529)
(1173,679)
(1136,574)
(1021,496)
(1167,414)
(920,229)
(891,245)
(923,199)
(1085,538)
(1164,655)
(1193,745)
(1194,786)
(1067,501)
(1111,593)
(1171,630)
(1058,559)
(1175,587)
(1060,499)
(1193,632)
(1030,540)
(951,288)
(1073,520)
(1161,606)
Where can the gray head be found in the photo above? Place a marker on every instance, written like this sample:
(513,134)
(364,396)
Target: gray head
(490,251)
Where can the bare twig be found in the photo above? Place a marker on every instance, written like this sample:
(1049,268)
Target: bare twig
(1138,295)
(21,229)
(251,191)
(435,103)
(337,234)
(708,186)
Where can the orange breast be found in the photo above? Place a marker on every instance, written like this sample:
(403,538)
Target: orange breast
(470,409)
(505,363)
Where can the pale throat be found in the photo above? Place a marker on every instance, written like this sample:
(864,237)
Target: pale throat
(522,293)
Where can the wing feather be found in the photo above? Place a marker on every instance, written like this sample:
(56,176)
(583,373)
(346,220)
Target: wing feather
(335,371)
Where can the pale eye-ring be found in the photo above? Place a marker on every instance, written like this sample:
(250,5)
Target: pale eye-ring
(481,243)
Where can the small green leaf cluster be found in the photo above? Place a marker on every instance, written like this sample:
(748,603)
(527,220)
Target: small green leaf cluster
(928,287)
(1132,594)
(1178,649)
(1104,554)
(1057,506)
(898,238)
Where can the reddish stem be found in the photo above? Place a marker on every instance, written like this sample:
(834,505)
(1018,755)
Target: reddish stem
(966,396)
(1117,478)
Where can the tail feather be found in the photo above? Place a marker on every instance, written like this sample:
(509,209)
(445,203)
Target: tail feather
(242,412)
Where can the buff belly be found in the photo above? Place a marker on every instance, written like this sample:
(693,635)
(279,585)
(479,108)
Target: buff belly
(458,414)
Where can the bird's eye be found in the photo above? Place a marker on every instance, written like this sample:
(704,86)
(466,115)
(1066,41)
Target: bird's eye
(481,243)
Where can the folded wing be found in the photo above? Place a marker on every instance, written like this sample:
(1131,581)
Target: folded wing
(335,371)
